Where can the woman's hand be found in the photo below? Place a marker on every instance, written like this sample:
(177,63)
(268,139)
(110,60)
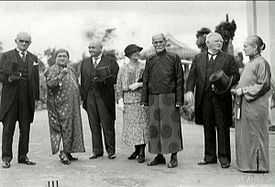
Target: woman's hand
(238,91)
(135,86)
(63,73)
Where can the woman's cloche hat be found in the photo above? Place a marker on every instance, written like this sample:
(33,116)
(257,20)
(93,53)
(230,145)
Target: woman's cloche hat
(131,49)
(221,81)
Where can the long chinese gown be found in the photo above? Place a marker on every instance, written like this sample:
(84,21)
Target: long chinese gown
(252,137)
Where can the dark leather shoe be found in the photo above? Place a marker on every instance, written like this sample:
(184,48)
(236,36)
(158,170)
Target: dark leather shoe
(95,156)
(133,156)
(141,158)
(225,165)
(113,156)
(64,158)
(26,161)
(203,162)
(157,160)
(173,163)
(6,164)
(71,158)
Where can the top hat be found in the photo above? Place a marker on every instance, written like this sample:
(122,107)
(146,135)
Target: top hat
(131,49)
(221,81)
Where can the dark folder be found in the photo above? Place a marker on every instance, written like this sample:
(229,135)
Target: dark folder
(103,73)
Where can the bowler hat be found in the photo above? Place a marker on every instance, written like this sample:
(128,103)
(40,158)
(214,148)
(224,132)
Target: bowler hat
(131,49)
(221,81)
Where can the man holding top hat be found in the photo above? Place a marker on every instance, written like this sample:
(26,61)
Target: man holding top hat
(98,77)
(213,73)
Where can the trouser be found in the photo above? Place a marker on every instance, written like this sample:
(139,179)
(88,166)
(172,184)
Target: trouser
(18,111)
(213,118)
(100,117)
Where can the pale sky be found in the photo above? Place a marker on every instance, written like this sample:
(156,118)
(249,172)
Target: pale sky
(63,24)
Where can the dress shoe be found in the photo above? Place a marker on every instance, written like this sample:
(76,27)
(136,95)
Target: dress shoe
(26,161)
(71,158)
(6,164)
(133,156)
(113,156)
(157,160)
(225,165)
(64,158)
(203,162)
(173,162)
(95,156)
(141,158)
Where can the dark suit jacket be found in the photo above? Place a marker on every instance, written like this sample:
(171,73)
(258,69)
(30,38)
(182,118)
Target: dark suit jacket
(9,89)
(196,78)
(106,88)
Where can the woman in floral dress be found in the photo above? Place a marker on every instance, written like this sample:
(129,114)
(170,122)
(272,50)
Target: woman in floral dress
(63,103)
(128,88)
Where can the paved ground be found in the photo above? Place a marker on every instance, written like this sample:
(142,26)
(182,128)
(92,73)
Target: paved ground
(122,172)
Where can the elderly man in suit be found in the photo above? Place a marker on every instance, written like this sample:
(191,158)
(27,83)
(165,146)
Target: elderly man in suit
(20,78)
(212,110)
(98,77)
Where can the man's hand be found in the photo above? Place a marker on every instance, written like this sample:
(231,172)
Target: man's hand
(177,105)
(188,98)
(120,104)
(12,77)
(135,86)
(35,103)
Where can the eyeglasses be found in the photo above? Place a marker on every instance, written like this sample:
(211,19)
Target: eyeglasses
(24,41)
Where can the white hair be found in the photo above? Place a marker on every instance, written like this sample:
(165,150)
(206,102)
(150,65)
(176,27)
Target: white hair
(211,34)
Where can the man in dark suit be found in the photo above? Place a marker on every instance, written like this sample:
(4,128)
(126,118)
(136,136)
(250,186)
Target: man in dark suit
(20,78)
(211,109)
(98,77)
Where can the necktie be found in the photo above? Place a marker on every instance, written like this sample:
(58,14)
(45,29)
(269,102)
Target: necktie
(95,62)
(211,60)
(23,56)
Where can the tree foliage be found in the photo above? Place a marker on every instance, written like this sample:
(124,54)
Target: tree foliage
(50,53)
(104,36)
(227,30)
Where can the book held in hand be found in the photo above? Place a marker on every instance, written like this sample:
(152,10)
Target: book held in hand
(103,73)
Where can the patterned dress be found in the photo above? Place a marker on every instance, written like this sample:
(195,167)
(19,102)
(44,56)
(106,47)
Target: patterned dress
(135,115)
(63,103)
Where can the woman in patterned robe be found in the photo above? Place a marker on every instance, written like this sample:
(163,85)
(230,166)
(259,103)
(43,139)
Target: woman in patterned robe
(128,88)
(63,103)
(253,119)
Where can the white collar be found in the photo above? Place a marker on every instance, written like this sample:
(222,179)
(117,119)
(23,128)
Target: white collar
(98,57)
(209,55)
(20,51)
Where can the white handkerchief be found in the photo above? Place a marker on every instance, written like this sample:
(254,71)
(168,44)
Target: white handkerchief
(35,63)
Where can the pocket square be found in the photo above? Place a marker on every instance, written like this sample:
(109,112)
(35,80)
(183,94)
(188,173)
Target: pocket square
(35,63)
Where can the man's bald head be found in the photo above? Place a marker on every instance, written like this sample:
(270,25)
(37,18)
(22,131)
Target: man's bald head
(158,36)
(23,40)
(159,42)
(95,48)
(24,35)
